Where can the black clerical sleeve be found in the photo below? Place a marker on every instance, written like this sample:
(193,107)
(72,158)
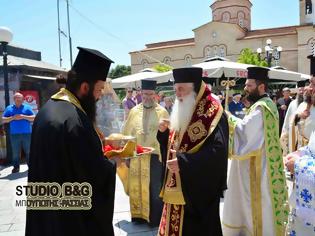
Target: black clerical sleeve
(162,137)
(84,147)
(66,148)
(203,174)
(85,151)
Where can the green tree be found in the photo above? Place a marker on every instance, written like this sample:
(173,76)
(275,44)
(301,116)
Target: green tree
(162,68)
(119,71)
(249,57)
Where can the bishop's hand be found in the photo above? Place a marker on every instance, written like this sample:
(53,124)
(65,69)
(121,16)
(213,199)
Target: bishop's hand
(172,165)
(163,125)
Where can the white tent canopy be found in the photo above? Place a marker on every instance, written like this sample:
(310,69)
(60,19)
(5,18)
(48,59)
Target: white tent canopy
(218,68)
(134,80)
(212,68)
(281,73)
(215,69)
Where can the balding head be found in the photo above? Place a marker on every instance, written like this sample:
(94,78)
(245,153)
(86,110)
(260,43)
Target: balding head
(18,99)
(17,94)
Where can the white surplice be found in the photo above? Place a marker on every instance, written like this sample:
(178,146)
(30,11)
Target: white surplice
(287,141)
(307,126)
(289,115)
(237,212)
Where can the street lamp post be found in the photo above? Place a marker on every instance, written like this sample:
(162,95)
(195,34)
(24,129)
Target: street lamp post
(5,38)
(271,53)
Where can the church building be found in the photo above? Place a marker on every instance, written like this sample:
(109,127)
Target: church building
(228,33)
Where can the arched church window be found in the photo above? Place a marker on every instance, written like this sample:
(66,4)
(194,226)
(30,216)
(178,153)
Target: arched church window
(222,51)
(188,60)
(241,22)
(215,51)
(308,7)
(241,14)
(167,61)
(226,17)
(144,63)
(241,17)
(207,52)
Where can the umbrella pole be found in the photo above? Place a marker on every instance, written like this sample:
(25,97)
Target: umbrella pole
(227,84)
(227,92)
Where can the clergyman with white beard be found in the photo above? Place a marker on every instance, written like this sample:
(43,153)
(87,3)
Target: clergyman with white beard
(197,147)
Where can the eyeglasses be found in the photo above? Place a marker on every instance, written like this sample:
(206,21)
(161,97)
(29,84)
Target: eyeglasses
(129,91)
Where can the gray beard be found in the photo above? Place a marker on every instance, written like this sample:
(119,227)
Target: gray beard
(148,105)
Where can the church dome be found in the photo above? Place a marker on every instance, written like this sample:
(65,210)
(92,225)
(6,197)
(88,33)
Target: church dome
(232,11)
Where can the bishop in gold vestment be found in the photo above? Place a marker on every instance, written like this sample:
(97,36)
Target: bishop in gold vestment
(142,178)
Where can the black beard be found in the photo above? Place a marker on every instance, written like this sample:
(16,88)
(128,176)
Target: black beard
(88,104)
(253,96)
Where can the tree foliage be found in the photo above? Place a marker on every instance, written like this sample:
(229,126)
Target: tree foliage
(119,71)
(162,68)
(249,57)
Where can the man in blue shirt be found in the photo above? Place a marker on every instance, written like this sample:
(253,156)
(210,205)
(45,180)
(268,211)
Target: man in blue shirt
(236,106)
(19,116)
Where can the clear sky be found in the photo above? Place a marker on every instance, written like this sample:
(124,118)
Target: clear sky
(117,27)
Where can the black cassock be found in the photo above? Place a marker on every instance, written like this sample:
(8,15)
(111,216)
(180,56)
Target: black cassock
(203,178)
(66,148)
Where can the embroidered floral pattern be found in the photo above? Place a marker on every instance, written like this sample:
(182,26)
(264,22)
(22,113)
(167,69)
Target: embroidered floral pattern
(201,107)
(305,194)
(196,131)
(304,170)
(213,108)
(183,148)
(276,173)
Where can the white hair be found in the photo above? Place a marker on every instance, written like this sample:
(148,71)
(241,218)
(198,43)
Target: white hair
(182,112)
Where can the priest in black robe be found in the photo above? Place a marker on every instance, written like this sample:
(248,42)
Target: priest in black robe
(196,165)
(65,147)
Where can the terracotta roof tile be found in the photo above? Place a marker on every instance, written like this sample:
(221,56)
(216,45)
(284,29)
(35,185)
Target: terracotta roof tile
(170,43)
(271,32)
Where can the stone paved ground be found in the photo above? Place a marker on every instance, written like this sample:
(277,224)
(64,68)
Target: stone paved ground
(12,219)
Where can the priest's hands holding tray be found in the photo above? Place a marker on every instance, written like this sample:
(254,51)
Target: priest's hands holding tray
(172,165)
(117,159)
(121,148)
(118,154)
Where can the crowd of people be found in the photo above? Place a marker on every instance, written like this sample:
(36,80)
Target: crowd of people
(179,185)
(134,97)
